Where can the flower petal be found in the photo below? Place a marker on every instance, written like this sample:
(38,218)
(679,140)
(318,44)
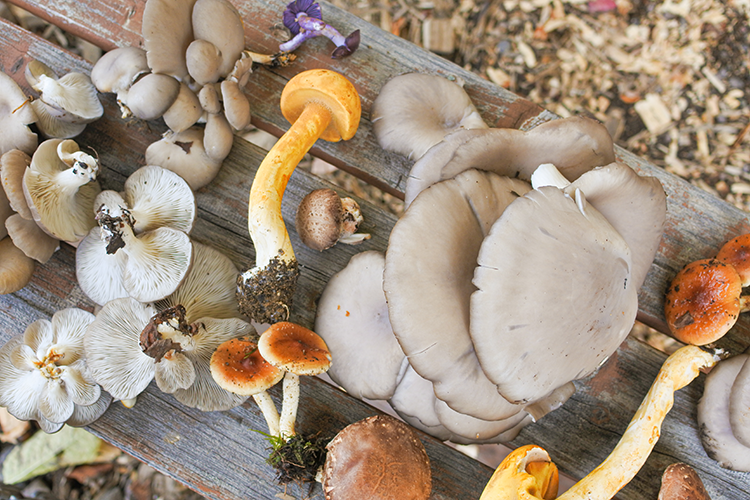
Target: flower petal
(82,391)
(55,405)
(84,415)
(113,352)
(174,371)
(39,336)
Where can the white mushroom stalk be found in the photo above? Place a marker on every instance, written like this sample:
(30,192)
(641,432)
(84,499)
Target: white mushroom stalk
(44,375)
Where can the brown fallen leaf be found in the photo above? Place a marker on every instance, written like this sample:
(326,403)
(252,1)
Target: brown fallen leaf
(12,428)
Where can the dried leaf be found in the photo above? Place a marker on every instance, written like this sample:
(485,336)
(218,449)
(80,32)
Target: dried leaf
(12,428)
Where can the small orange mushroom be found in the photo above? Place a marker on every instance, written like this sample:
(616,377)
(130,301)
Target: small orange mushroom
(736,252)
(703,301)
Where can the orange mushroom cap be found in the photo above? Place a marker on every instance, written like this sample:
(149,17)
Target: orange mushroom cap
(237,366)
(703,301)
(295,348)
(736,252)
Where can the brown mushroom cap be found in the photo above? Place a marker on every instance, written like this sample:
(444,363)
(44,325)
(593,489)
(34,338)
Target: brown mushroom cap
(736,252)
(681,482)
(319,219)
(238,367)
(703,301)
(329,89)
(294,348)
(15,267)
(378,458)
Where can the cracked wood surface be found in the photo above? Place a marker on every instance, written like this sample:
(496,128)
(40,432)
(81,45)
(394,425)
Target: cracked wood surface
(216,453)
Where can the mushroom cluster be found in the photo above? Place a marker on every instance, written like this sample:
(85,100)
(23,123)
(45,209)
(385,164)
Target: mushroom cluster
(191,72)
(44,375)
(46,198)
(512,257)
(130,343)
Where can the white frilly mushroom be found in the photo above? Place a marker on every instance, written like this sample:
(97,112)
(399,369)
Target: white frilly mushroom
(44,375)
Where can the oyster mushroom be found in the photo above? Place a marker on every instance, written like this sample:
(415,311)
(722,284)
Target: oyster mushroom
(167,32)
(319,104)
(324,219)
(415,111)
(185,111)
(219,23)
(15,118)
(184,154)
(44,375)
(16,268)
(71,99)
(152,96)
(117,70)
(60,186)
(141,244)
(13,165)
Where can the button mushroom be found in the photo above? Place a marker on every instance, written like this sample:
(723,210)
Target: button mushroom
(681,482)
(44,374)
(320,104)
(378,458)
(324,219)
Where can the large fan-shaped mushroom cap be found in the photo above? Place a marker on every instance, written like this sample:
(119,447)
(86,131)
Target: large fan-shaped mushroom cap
(352,318)
(551,268)
(167,31)
(157,197)
(415,111)
(434,248)
(219,22)
(574,145)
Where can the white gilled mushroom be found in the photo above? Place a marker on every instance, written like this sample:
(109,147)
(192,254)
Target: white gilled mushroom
(44,375)
(574,145)
(70,99)
(415,111)
(183,153)
(177,343)
(146,230)
(60,186)
(718,434)
(324,219)
(15,118)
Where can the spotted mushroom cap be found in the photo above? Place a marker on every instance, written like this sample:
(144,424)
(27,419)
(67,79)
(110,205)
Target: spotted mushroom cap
(238,367)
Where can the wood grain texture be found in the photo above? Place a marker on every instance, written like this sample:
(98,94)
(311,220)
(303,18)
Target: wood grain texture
(216,453)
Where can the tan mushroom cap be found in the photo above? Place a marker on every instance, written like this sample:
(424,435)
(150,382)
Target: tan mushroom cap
(703,301)
(203,61)
(219,22)
(236,105)
(378,458)
(117,69)
(13,165)
(294,348)
(151,96)
(736,252)
(15,116)
(167,31)
(15,267)
(185,111)
(238,367)
(329,89)
(184,154)
(681,482)
(29,237)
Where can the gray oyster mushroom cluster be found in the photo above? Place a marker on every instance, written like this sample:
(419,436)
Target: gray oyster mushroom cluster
(191,73)
(503,281)
(724,413)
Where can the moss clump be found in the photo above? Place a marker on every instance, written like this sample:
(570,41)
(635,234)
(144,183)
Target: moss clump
(297,459)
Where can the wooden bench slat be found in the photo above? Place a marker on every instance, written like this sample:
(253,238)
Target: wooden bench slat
(596,415)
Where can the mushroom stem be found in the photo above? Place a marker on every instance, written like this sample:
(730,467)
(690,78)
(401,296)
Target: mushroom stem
(273,60)
(268,408)
(289,405)
(627,458)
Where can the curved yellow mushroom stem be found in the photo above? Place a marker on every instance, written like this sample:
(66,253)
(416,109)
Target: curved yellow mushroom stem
(319,104)
(631,452)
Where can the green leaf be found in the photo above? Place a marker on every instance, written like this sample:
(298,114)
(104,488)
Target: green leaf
(43,453)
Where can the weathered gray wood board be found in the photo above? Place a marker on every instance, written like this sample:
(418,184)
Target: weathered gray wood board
(216,453)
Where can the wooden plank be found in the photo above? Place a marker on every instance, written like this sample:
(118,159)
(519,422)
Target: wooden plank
(222,207)
(698,223)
